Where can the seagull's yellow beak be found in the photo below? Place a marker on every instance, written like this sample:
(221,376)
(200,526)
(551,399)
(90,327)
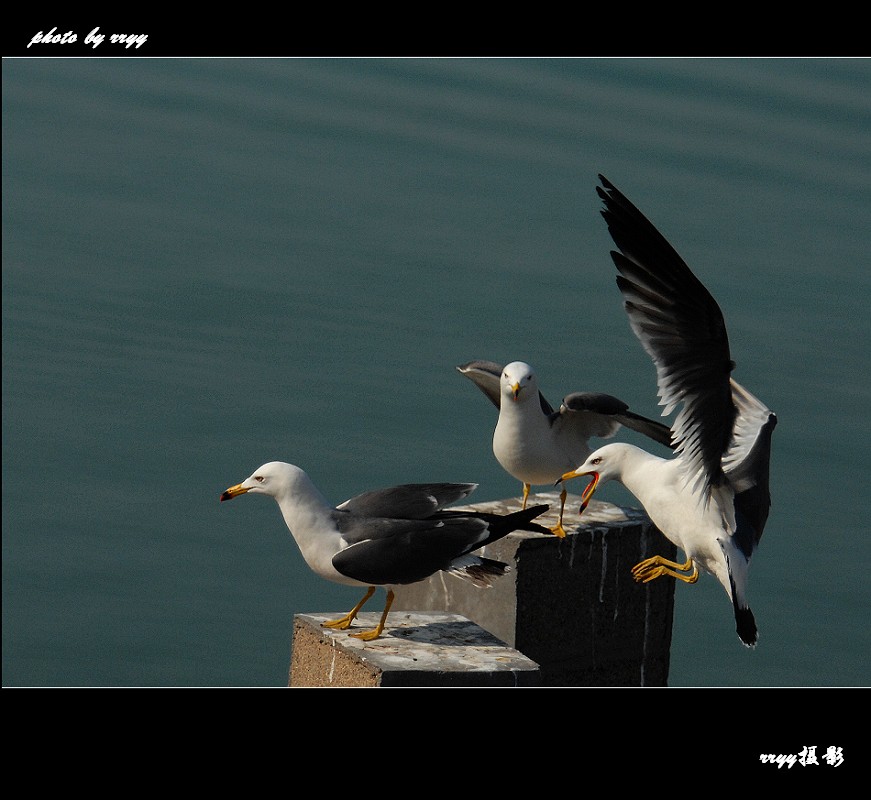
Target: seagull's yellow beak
(515,387)
(233,491)
(588,492)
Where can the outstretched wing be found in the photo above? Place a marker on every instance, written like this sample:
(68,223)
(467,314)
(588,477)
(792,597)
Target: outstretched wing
(681,327)
(486,376)
(598,414)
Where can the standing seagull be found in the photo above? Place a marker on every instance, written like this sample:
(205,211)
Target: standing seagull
(712,499)
(386,537)
(536,444)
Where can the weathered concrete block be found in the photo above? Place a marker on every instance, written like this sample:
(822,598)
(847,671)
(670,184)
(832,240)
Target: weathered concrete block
(429,649)
(570,604)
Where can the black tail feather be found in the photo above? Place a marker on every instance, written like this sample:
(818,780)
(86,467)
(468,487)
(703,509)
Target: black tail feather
(499,525)
(745,624)
(503,524)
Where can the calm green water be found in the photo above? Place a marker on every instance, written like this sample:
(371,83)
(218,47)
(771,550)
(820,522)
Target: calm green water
(209,264)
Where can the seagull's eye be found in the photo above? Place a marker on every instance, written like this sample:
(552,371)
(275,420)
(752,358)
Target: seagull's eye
(597,461)
(258,478)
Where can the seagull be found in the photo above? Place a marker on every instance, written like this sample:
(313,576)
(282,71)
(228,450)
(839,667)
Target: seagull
(535,443)
(712,499)
(386,537)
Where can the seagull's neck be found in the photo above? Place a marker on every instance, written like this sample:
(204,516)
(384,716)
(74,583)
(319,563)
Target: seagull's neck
(304,509)
(528,410)
(309,517)
(645,474)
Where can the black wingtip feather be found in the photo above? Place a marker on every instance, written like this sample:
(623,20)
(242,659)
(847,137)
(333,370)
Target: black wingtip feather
(745,625)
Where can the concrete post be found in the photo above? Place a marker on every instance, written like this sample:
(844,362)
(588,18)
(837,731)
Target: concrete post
(570,604)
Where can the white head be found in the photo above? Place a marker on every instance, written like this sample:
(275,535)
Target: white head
(275,478)
(602,465)
(518,381)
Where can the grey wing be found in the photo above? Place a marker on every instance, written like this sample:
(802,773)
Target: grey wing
(587,414)
(404,551)
(407,501)
(486,376)
(681,327)
(598,414)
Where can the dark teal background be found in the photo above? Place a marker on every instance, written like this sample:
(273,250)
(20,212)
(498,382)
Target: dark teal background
(213,263)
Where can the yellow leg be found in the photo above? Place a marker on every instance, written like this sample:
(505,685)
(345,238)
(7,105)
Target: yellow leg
(657,566)
(345,622)
(558,529)
(526,488)
(368,636)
